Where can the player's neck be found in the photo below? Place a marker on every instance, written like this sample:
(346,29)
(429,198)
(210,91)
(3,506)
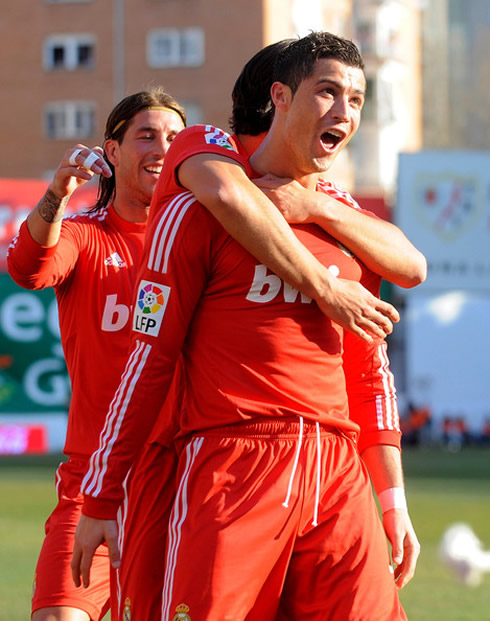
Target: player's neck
(131,211)
(273,157)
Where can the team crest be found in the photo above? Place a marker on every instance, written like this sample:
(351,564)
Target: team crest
(127,610)
(182,610)
(150,307)
(447,205)
(218,137)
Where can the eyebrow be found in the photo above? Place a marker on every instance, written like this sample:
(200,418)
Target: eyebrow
(358,91)
(150,128)
(146,128)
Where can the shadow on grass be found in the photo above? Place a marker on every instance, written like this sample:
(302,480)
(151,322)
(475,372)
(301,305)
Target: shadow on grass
(50,461)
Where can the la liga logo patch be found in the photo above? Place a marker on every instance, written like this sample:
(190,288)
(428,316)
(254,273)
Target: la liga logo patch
(150,307)
(218,137)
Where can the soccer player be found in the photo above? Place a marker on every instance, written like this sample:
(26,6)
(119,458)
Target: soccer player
(91,260)
(142,534)
(264,389)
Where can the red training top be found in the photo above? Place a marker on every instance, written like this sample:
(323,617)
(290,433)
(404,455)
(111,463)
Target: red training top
(251,345)
(93,270)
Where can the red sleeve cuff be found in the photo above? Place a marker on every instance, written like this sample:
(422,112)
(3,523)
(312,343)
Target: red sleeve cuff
(100,509)
(376,438)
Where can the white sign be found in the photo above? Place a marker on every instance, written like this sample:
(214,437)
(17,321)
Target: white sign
(443,206)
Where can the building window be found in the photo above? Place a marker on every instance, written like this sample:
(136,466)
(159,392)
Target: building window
(369,112)
(69,119)
(193,112)
(379,105)
(69,52)
(175,47)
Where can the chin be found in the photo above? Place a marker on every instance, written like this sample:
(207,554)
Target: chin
(322,164)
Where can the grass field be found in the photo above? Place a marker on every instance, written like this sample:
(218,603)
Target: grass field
(442,488)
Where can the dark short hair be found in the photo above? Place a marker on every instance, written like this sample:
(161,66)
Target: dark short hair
(252,108)
(118,122)
(297,61)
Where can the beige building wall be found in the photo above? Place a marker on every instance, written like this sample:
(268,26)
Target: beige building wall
(27,87)
(233,31)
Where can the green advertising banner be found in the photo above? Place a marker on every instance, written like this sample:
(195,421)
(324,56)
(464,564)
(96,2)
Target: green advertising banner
(33,375)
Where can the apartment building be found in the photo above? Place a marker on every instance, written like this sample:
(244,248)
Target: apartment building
(66,62)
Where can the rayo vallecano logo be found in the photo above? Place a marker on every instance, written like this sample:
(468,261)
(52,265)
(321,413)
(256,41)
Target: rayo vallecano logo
(182,610)
(150,307)
(218,137)
(449,204)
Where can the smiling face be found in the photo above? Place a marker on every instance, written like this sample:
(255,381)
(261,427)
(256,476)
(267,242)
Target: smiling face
(138,159)
(321,117)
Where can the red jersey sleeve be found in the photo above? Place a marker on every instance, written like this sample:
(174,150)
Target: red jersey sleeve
(369,381)
(371,392)
(33,266)
(191,141)
(179,249)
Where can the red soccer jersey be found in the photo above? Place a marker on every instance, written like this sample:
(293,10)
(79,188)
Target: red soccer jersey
(93,270)
(251,345)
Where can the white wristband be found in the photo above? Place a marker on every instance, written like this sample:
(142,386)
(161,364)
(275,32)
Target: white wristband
(392,498)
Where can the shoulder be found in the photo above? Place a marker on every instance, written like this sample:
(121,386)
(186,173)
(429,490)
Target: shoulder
(177,212)
(205,137)
(199,139)
(194,140)
(87,218)
(80,228)
(184,226)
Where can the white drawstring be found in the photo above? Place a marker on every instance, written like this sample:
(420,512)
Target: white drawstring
(318,470)
(318,467)
(295,465)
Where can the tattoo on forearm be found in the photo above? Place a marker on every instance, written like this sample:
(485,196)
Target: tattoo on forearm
(51,208)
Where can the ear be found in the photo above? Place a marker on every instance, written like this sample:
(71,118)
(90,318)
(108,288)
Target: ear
(111,149)
(281,95)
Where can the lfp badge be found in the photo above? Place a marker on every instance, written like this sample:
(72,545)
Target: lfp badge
(150,307)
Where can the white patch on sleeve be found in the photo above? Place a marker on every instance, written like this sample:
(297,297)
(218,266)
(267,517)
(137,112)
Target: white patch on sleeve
(150,307)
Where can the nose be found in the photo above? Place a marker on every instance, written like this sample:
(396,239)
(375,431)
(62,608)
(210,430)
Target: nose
(340,108)
(165,145)
(160,145)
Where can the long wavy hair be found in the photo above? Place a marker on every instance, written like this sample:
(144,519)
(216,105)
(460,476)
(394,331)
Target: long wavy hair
(117,125)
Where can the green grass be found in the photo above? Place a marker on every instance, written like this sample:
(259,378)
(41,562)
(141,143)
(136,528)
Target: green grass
(28,496)
(442,488)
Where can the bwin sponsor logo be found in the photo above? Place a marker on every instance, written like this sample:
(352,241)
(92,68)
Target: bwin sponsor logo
(265,287)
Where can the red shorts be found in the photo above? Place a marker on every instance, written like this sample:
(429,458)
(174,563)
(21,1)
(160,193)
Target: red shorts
(53,582)
(143,535)
(276,520)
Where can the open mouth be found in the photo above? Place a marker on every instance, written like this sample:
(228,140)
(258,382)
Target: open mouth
(331,139)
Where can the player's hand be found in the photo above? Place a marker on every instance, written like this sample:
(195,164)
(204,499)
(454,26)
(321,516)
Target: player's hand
(296,203)
(353,307)
(90,534)
(78,165)
(404,543)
